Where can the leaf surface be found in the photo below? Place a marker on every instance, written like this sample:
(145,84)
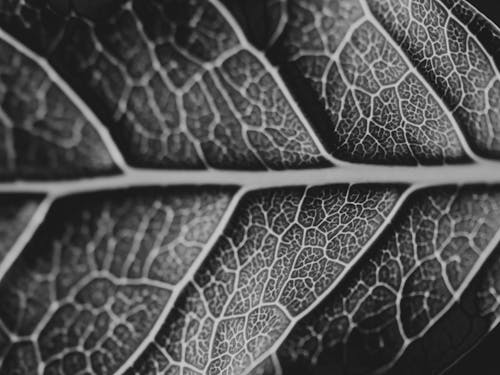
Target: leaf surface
(86,294)
(14,217)
(44,133)
(240,187)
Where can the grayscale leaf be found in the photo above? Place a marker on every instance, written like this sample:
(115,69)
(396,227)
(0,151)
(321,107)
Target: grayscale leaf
(247,187)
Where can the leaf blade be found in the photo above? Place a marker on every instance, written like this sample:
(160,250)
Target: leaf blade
(387,302)
(101,278)
(210,302)
(46,135)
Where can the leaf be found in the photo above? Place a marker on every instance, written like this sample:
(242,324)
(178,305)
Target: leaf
(44,133)
(14,217)
(166,87)
(247,187)
(422,264)
(104,277)
(251,288)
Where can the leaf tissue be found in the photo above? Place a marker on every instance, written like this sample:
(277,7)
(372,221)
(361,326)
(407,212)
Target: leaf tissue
(247,187)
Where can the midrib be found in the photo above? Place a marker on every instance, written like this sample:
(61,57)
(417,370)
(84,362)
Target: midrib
(487,172)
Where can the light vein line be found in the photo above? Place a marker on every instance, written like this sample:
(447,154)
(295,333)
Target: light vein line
(484,173)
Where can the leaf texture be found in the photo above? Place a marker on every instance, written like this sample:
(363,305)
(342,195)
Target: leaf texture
(44,134)
(373,88)
(247,187)
(84,295)
(168,77)
(15,215)
(419,269)
(279,256)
